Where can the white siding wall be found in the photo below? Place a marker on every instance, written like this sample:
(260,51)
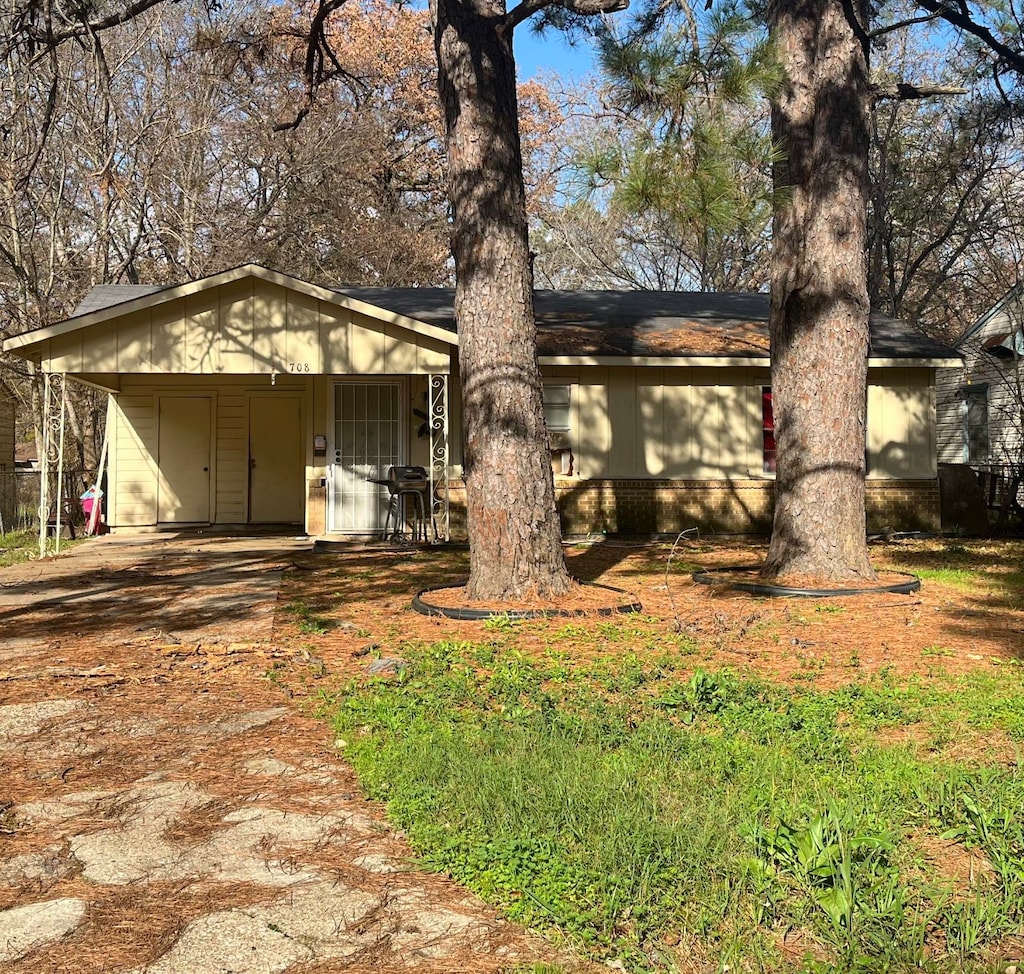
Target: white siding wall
(1005,380)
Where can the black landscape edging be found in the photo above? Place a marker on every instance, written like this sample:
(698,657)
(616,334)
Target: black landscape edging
(706,576)
(475,615)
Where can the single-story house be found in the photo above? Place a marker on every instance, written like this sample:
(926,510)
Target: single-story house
(251,397)
(980,404)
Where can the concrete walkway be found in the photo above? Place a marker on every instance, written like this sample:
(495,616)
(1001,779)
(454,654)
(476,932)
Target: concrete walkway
(167,810)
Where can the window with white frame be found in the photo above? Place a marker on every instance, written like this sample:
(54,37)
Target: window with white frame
(558,418)
(557,412)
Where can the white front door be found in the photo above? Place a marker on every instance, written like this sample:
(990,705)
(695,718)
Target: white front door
(367,439)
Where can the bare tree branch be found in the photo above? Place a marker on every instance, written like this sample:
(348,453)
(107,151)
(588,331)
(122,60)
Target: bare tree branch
(903,91)
(901,24)
(295,122)
(45,124)
(961,17)
(47,35)
(319,50)
(586,8)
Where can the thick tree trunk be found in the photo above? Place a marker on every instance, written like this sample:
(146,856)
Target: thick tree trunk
(819,300)
(514,532)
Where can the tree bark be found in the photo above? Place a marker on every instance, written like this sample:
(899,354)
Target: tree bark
(819,298)
(514,531)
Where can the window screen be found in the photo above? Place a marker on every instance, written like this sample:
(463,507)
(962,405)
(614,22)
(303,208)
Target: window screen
(976,423)
(556,408)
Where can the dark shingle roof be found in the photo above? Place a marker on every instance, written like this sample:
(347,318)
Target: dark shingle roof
(106,295)
(648,323)
(611,323)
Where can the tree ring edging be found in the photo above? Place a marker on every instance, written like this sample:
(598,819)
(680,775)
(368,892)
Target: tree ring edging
(707,576)
(466,614)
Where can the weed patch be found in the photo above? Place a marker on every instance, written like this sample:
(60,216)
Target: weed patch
(630,805)
(309,622)
(21,546)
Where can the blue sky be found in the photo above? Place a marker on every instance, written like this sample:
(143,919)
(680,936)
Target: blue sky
(536,53)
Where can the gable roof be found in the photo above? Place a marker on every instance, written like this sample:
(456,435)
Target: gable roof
(104,296)
(572,326)
(1000,333)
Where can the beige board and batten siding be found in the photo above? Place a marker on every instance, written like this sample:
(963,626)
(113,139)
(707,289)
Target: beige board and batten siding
(705,423)
(901,424)
(649,421)
(665,422)
(133,421)
(131,425)
(245,327)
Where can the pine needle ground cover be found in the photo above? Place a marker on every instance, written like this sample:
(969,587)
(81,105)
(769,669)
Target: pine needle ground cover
(659,811)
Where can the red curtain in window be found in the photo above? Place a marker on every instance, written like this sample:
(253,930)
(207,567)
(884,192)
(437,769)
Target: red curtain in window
(767,431)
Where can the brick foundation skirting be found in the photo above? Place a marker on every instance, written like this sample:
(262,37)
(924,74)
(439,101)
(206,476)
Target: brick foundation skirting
(738,506)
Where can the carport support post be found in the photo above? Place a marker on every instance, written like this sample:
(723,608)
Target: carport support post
(54,402)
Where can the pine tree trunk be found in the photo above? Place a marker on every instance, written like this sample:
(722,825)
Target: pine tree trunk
(514,532)
(819,300)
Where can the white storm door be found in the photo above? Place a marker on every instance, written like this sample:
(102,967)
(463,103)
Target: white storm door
(184,459)
(367,440)
(276,470)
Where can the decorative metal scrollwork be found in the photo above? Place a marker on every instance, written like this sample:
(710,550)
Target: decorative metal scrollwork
(439,457)
(51,479)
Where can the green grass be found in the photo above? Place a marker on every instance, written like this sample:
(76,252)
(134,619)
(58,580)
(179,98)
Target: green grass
(21,546)
(308,621)
(959,577)
(628,805)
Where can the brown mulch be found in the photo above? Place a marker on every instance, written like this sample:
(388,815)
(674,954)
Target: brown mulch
(366,596)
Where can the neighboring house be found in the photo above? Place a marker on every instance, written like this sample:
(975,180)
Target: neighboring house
(980,406)
(8,483)
(25,457)
(252,397)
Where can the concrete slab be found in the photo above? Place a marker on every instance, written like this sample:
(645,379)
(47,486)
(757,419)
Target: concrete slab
(152,765)
(20,720)
(25,928)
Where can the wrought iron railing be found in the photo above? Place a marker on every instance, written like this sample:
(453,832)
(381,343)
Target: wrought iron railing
(1003,486)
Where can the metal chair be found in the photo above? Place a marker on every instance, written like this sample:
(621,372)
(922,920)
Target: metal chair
(406,483)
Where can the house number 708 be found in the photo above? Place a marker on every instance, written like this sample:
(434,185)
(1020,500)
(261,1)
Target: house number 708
(298,367)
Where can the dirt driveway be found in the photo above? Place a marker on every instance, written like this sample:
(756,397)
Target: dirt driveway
(165,809)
